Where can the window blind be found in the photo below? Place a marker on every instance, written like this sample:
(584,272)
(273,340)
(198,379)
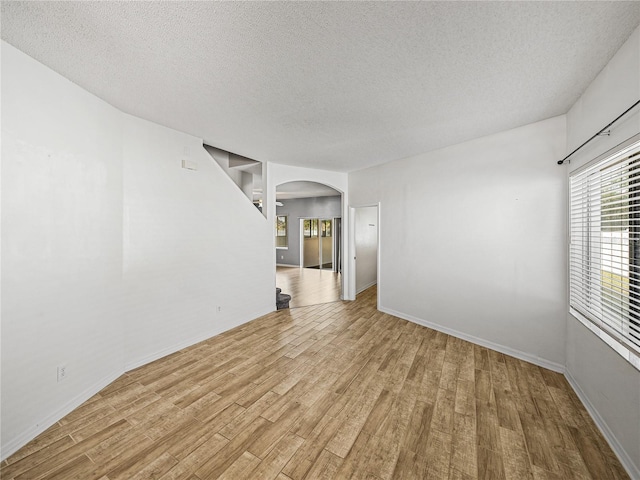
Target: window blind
(604,254)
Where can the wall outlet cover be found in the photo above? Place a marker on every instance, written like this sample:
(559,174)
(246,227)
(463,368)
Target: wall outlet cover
(62,372)
(189,165)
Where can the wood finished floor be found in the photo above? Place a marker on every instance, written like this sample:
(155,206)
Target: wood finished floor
(336,391)
(308,286)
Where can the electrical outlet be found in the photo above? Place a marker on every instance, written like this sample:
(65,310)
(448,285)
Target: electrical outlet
(219,309)
(281,257)
(62,372)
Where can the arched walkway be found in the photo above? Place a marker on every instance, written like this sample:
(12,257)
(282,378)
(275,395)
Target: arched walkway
(308,218)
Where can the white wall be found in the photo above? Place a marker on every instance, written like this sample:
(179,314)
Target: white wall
(112,255)
(61,246)
(192,242)
(366,247)
(472,239)
(608,384)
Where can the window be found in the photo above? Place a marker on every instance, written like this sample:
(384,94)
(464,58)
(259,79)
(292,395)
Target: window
(326,228)
(604,256)
(282,231)
(310,228)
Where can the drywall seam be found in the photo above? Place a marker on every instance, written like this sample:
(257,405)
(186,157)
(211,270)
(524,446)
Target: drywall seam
(541,362)
(632,469)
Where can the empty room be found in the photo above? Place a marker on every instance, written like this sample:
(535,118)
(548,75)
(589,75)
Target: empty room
(462,175)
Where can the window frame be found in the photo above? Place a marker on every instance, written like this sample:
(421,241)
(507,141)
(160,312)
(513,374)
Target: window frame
(312,231)
(286,232)
(590,249)
(326,228)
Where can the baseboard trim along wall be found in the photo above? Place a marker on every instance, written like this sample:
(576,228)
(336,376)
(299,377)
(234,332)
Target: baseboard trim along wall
(139,362)
(541,362)
(152,357)
(20,441)
(632,469)
(362,289)
(192,341)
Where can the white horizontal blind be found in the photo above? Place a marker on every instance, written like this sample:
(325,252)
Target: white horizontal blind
(604,257)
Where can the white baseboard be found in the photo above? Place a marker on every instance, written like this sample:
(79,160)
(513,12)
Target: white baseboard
(362,289)
(152,357)
(139,362)
(287,265)
(632,469)
(527,357)
(25,437)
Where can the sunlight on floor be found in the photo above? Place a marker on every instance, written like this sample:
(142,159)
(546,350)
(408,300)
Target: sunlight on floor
(308,286)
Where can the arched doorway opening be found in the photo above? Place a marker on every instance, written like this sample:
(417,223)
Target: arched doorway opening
(309,253)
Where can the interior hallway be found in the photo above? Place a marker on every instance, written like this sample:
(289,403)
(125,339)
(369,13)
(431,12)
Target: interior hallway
(333,391)
(308,286)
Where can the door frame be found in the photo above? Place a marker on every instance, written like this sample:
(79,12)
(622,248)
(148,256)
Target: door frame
(352,250)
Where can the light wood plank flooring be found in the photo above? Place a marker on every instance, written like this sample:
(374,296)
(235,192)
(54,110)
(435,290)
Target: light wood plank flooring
(308,286)
(336,391)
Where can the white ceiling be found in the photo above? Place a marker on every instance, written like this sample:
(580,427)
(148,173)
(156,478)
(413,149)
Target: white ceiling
(333,85)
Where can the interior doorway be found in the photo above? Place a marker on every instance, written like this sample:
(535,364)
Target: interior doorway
(366,233)
(309,242)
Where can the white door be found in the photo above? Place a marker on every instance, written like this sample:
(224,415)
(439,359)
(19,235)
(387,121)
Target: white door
(366,247)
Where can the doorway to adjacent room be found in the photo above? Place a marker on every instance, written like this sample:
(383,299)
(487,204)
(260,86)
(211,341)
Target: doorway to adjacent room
(309,242)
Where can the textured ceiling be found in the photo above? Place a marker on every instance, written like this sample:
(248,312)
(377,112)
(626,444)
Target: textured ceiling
(333,85)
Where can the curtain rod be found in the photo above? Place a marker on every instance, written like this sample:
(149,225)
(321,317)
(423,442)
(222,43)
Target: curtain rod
(560,162)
